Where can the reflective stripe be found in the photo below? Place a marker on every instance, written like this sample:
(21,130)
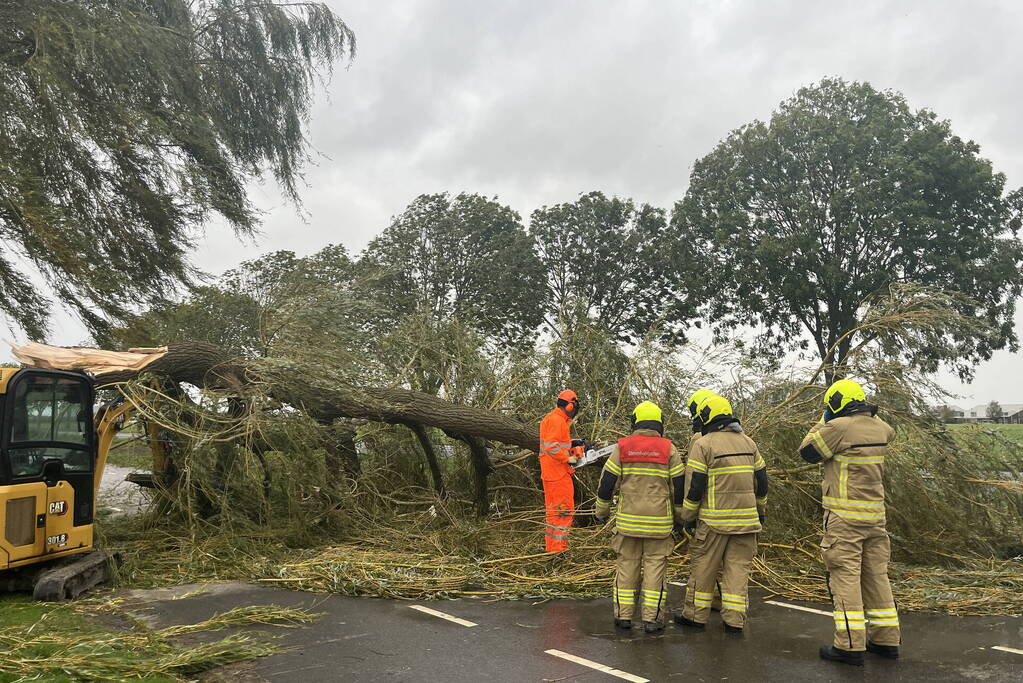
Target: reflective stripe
(759,463)
(728,512)
(647,471)
(762,501)
(734,601)
(861,459)
(852,620)
(658,529)
(677,470)
(601,501)
(689,505)
(697,465)
(850,502)
(824,450)
(555,536)
(641,518)
(731,469)
(612,467)
(842,512)
(701,599)
(883,617)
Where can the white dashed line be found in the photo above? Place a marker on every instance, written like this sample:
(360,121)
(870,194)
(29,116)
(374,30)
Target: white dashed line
(436,613)
(599,667)
(799,607)
(1008,649)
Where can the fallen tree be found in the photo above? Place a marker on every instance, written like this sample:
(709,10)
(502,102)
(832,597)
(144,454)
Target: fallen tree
(303,388)
(205,365)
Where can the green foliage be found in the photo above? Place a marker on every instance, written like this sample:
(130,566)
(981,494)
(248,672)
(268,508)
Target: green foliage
(278,304)
(844,192)
(465,258)
(609,260)
(127,123)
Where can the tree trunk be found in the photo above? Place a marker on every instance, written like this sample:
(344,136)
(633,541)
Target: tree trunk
(481,468)
(342,456)
(305,388)
(431,456)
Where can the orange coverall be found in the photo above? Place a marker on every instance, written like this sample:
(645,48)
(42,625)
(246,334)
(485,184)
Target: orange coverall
(558,490)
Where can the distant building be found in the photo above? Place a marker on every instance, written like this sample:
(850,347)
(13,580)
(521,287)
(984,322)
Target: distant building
(1012,413)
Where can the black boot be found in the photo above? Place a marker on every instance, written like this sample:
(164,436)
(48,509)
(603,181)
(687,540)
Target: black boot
(886,651)
(623,623)
(833,654)
(653,626)
(732,629)
(682,621)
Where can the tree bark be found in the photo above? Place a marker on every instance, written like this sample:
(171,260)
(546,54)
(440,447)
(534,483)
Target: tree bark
(305,388)
(431,456)
(481,468)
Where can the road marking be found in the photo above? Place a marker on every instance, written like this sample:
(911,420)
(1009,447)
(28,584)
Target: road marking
(436,613)
(1008,649)
(599,667)
(800,608)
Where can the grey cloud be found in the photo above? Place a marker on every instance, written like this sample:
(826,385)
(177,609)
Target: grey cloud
(537,101)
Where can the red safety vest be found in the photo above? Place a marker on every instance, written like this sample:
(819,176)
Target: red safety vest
(640,448)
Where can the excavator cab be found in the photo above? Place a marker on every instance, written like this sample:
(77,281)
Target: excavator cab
(50,467)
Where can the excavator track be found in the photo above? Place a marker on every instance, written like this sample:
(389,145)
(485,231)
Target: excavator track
(65,579)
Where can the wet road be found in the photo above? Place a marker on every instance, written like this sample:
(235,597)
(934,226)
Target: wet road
(372,639)
(118,496)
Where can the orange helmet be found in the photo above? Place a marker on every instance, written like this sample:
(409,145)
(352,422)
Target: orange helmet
(569,402)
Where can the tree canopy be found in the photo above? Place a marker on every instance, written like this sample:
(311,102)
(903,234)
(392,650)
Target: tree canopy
(127,124)
(843,193)
(466,258)
(607,259)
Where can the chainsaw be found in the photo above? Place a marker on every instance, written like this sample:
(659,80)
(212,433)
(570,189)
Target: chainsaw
(587,454)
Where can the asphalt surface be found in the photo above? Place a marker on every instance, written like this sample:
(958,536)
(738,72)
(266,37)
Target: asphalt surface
(363,639)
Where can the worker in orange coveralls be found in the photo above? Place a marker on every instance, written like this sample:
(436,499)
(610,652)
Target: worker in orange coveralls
(556,470)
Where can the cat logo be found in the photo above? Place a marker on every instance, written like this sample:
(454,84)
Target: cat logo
(58,507)
(60,540)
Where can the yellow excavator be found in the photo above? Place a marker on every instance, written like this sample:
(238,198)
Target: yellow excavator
(53,449)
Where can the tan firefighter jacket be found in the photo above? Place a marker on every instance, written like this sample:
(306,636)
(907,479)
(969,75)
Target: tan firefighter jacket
(852,449)
(727,481)
(646,471)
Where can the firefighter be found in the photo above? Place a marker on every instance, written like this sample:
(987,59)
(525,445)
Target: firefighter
(723,510)
(556,470)
(850,442)
(695,400)
(646,470)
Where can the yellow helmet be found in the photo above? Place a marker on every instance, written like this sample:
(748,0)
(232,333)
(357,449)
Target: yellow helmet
(841,393)
(713,406)
(646,410)
(697,398)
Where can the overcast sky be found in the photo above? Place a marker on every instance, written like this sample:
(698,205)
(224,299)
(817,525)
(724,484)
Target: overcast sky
(538,101)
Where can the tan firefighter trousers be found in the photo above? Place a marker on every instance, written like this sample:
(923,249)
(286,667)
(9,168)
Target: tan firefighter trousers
(641,567)
(856,557)
(719,558)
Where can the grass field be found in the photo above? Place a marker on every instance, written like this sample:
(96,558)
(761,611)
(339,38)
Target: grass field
(1014,432)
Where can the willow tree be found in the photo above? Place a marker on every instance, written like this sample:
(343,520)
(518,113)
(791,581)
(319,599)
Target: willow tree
(126,125)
